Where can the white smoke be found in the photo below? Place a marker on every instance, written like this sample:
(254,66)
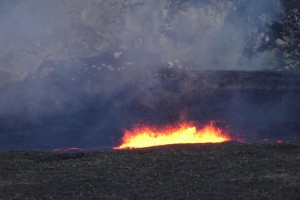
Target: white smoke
(199,34)
(206,36)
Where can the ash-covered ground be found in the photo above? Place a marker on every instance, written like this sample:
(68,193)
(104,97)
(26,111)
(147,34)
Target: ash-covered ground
(204,171)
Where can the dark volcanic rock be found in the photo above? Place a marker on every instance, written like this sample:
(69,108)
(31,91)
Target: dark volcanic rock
(207,171)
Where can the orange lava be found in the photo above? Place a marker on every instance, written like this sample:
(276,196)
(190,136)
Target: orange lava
(184,133)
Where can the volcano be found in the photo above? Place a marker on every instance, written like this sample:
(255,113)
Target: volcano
(160,99)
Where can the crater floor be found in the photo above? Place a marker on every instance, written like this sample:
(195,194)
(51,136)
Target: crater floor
(205,171)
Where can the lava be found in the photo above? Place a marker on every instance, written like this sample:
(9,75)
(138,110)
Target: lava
(184,133)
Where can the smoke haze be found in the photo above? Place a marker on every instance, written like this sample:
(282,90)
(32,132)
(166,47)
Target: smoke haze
(199,34)
(79,72)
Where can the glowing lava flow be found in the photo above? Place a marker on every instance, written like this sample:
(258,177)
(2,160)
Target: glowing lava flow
(143,136)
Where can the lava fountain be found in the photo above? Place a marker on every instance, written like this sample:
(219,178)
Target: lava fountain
(184,133)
